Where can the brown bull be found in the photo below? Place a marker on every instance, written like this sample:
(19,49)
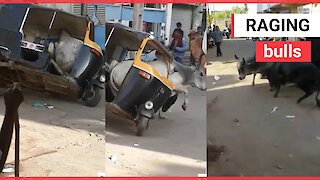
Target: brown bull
(195,46)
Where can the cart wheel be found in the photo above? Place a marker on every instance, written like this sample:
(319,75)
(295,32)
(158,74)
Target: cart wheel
(93,98)
(142,125)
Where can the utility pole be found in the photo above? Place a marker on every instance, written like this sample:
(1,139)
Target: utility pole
(137,20)
(137,16)
(168,23)
(84,9)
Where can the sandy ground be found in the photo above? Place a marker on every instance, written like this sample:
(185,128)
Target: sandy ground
(175,146)
(257,142)
(65,141)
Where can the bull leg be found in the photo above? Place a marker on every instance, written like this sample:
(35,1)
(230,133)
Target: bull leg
(161,116)
(317,100)
(308,92)
(254,77)
(186,101)
(277,87)
(182,89)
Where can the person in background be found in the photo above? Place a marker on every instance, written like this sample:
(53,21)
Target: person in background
(179,25)
(192,35)
(178,46)
(217,36)
(199,31)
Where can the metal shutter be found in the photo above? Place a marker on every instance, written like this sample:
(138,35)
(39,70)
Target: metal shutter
(183,14)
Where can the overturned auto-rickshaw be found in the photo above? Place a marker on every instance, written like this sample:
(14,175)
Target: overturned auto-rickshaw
(50,50)
(144,89)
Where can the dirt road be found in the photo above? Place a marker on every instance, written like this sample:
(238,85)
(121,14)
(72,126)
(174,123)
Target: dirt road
(65,141)
(258,142)
(171,147)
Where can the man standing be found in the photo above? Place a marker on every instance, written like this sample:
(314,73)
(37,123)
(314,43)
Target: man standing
(178,46)
(179,25)
(217,36)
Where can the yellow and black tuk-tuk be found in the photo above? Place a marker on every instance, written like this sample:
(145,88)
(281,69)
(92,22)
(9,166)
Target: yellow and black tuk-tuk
(50,50)
(144,89)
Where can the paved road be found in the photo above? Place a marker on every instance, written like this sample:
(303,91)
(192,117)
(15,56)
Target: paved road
(175,146)
(257,142)
(65,141)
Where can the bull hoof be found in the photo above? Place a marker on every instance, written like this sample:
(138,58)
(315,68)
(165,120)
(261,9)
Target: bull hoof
(184,107)
(162,117)
(275,96)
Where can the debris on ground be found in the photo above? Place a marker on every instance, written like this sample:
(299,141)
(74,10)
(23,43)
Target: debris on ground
(216,77)
(136,145)
(49,106)
(39,104)
(8,168)
(276,145)
(279,167)
(113,159)
(237,121)
(318,137)
(274,109)
(290,116)
(214,83)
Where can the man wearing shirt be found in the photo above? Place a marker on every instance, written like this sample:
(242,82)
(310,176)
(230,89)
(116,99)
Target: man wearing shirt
(217,36)
(178,46)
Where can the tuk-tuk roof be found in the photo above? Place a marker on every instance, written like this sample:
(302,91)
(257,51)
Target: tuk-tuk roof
(13,16)
(129,38)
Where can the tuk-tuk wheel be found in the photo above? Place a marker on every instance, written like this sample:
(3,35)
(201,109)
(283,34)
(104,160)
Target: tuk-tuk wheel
(93,98)
(142,125)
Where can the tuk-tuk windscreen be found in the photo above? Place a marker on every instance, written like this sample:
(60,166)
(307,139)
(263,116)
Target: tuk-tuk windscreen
(75,26)
(37,24)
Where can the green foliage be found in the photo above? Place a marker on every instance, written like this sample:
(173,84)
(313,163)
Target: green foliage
(227,13)
(209,18)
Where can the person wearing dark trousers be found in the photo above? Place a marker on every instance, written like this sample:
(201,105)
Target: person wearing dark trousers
(217,36)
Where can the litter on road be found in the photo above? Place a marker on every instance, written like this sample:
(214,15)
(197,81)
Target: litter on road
(279,167)
(113,159)
(216,77)
(8,170)
(274,109)
(290,116)
(39,104)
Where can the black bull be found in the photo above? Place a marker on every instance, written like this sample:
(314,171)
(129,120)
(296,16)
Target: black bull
(315,50)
